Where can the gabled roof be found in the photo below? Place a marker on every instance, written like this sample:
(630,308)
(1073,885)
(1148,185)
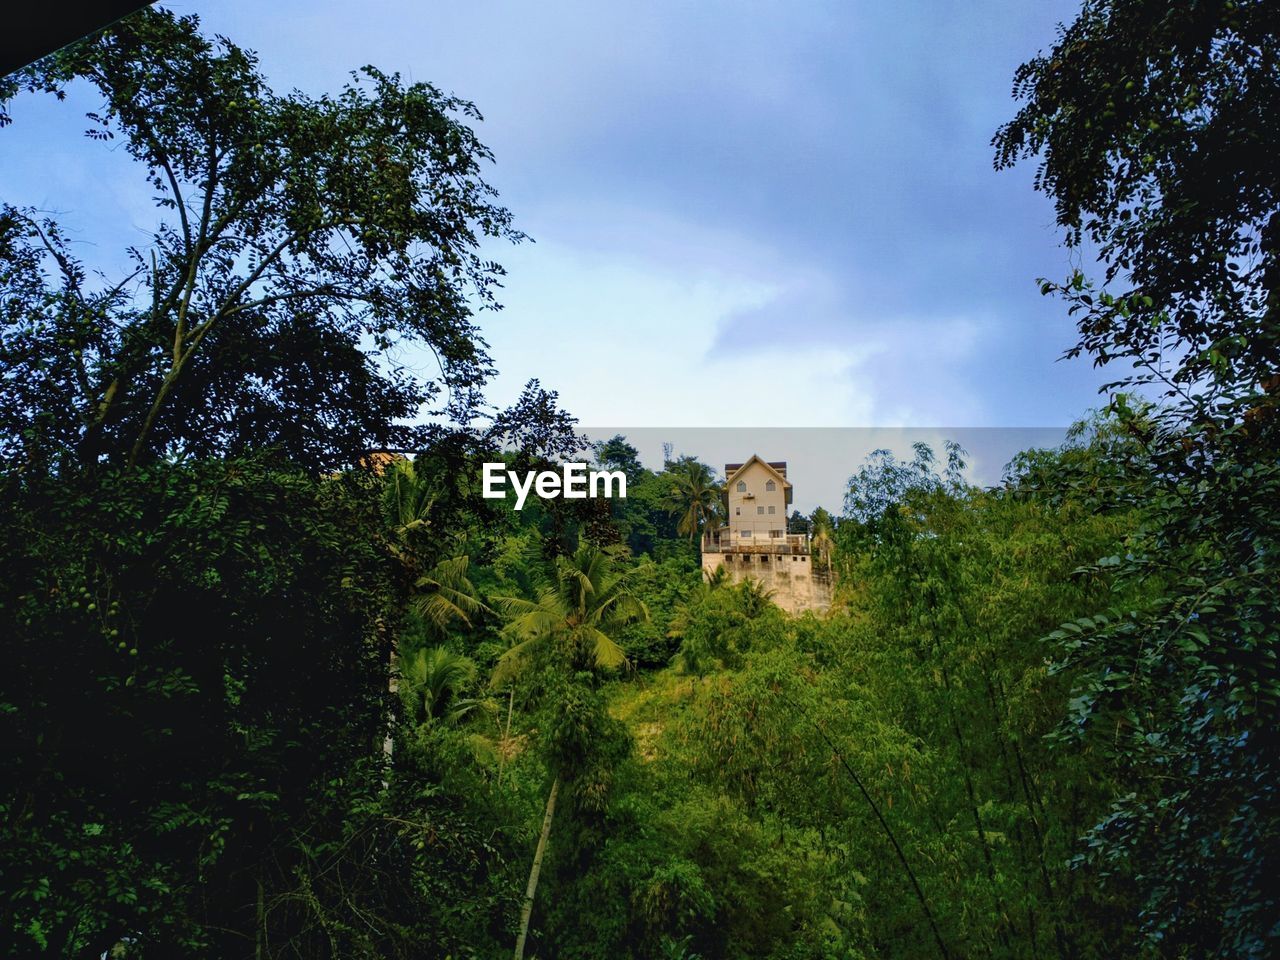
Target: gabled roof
(777,468)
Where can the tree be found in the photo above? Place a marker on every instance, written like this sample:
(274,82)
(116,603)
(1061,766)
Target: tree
(798,523)
(582,601)
(883,487)
(408,499)
(1154,125)
(718,624)
(441,597)
(617,454)
(821,517)
(435,680)
(304,237)
(198,608)
(444,595)
(198,659)
(1156,128)
(823,542)
(694,497)
(823,539)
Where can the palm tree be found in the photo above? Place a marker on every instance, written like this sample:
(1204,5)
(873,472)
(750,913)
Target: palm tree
(715,579)
(407,500)
(445,594)
(754,597)
(436,678)
(695,497)
(686,609)
(582,600)
(712,625)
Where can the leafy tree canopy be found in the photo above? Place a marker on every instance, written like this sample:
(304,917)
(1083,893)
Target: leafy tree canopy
(1154,125)
(303,238)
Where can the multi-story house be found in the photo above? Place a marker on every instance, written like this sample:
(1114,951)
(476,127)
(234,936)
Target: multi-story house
(752,541)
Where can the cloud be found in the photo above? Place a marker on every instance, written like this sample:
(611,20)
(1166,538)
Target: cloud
(634,341)
(721,193)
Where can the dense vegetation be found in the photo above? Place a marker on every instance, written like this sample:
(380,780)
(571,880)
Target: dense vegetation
(267,695)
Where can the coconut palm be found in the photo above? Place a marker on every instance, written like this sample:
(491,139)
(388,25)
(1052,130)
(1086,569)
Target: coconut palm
(444,594)
(754,597)
(407,499)
(435,680)
(686,609)
(713,623)
(582,600)
(695,497)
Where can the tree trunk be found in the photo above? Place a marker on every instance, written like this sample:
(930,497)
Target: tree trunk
(260,934)
(527,910)
(506,736)
(393,687)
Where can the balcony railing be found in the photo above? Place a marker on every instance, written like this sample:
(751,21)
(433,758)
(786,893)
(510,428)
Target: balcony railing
(726,542)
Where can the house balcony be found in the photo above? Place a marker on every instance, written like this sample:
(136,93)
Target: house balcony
(786,544)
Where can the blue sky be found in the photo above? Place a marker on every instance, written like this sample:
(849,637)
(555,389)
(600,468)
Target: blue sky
(745,214)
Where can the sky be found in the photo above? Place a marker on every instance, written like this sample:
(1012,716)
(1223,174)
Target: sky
(747,214)
(821,460)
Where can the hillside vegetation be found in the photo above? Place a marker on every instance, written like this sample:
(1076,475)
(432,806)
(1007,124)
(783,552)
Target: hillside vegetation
(272,692)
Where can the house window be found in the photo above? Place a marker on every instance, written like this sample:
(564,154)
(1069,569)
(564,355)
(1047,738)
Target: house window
(772,509)
(744,533)
(794,559)
(737,511)
(759,509)
(742,486)
(771,486)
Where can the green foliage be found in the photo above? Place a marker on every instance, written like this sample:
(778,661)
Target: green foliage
(1174,694)
(727,831)
(871,784)
(196,655)
(444,595)
(199,627)
(434,681)
(662,586)
(694,497)
(1155,126)
(581,601)
(884,483)
(968,581)
(616,454)
(645,520)
(1036,724)
(298,232)
(719,624)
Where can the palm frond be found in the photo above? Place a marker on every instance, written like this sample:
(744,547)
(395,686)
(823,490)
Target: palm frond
(604,650)
(446,594)
(434,678)
(511,663)
(585,598)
